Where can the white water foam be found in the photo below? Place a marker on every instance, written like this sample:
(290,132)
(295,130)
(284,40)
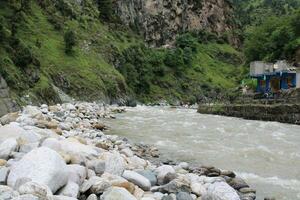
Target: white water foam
(292,184)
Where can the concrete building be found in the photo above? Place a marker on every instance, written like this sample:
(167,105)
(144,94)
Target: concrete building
(274,77)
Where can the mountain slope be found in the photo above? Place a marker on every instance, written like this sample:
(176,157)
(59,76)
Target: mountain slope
(65,44)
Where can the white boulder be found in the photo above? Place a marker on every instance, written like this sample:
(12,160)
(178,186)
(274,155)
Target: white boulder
(220,191)
(41,165)
(7,147)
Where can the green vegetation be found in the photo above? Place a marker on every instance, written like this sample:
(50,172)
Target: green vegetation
(276,38)
(33,58)
(254,12)
(189,72)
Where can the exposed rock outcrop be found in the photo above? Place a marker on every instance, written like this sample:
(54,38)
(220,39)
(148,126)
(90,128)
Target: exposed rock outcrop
(6,103)
(160,21)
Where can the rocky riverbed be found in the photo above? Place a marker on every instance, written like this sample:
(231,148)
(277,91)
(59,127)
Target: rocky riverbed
(62,153)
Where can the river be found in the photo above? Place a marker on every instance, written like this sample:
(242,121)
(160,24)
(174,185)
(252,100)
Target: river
(265,154)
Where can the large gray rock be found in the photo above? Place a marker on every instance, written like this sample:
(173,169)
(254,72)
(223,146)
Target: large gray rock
(137,179)
(220,191)
(7,147)
(117,193)
(41,165)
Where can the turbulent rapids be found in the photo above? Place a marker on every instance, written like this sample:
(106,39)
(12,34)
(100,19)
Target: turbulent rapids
(265,154)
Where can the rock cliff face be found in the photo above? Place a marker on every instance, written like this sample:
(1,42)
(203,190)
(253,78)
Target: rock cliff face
(160,21)
(6,103)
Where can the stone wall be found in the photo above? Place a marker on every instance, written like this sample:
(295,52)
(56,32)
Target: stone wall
(6,103)
(285,113)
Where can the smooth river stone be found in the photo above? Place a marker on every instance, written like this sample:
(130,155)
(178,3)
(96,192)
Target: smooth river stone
(149,175)
(137,179)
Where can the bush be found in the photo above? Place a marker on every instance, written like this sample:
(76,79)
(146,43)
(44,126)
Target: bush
(186,41)
(175,59)
(22,54)
(70,41)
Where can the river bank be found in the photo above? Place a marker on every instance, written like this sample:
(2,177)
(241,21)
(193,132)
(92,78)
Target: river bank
(285,113)
(60,152)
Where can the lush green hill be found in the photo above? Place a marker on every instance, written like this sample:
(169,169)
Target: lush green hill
(255,12)
(269,29)
(276,38)
(96,58)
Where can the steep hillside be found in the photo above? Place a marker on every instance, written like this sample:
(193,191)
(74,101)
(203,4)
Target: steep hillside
(85,50)
(33,53)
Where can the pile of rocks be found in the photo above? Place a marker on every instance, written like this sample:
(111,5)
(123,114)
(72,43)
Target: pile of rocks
(60,153)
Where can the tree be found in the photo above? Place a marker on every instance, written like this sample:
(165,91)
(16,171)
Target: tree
(70,41)
(106,9)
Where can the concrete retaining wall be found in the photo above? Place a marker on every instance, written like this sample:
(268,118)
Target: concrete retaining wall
(285,113)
